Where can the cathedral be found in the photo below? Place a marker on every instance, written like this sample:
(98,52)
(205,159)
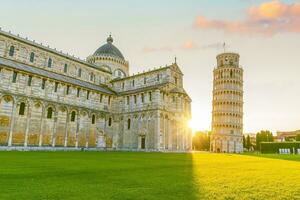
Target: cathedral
(52,100)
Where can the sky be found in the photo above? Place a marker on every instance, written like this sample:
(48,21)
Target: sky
(150,34)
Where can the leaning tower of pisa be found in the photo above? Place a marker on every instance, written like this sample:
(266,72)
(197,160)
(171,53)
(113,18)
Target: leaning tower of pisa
(227,112)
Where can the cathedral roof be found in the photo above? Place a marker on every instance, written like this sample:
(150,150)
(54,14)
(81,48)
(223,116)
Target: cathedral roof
(53,75)
(109,49)
(178,90)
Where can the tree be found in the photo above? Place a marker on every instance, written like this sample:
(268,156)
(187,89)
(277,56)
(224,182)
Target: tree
(248,143)
(298,137)
(244,141)
(258,141)
(201,141)
(263,136)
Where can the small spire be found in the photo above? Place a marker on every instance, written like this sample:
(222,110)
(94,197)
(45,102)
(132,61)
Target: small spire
(224,47)
(175,60)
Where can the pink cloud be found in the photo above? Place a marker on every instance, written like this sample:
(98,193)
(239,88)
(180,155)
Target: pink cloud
(266,19)
(189,45)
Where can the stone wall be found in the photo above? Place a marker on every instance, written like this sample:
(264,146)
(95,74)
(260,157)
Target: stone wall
(147,111)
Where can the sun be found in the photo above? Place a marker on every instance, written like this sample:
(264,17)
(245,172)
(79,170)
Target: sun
(199,123)
(201,118)
(194,125)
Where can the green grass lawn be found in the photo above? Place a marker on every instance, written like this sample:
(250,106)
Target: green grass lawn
(120,175)
(295,157)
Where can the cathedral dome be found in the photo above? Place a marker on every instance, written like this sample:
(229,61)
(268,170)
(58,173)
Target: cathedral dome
(109,49)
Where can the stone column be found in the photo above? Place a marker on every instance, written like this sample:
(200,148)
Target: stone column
(42,126)
(163,133)
(170,134)
(77,129)
(183,137)
(178,135)
(53,134)
(139,122)
(12,121)
(87,135)
(157,132)
(27,125)
(166,129)
(66,129)
(177,128)
(147,134)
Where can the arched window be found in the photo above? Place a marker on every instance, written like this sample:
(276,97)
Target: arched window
(29,80)
(56,87)
(231,74)
(101,98)
(128,124)
(79,72)
(66,68)
(68,90)
(145,80)
(73,115)
(49,113)
(31,59)
(15,74)
(128,100)
(93,119)
(109,100)
(91,76)
(22,109)
(109,121)
(43,84)
(142,97)
(135,99)
(78,92)
(49,62)
(11,51)
(118,73)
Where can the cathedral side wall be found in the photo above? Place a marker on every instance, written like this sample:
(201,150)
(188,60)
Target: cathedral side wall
(148,112)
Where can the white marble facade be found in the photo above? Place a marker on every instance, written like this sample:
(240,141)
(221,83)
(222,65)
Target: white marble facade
(51,99)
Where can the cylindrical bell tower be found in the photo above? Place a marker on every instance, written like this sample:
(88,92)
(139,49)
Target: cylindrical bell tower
(227,113)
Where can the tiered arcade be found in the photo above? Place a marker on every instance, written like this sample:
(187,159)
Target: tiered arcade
(227,113)
(51,100)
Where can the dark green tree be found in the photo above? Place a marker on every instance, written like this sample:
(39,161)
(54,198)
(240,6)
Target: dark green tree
(248,143)
(263,136)
(258,141)
(244,141)
(298,137)
(201,141)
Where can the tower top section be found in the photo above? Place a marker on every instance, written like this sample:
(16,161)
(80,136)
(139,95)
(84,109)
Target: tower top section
(228,59)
